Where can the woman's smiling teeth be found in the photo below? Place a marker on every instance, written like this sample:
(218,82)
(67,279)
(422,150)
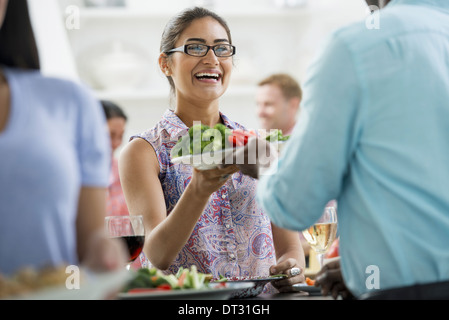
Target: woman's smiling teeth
(208,76)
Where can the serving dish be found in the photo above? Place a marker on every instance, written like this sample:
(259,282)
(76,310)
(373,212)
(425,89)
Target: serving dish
(215,291)
(256,288)
(95,286)
(206,160)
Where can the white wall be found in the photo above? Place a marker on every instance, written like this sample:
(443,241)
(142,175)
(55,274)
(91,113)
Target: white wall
(55,51)
(291,37)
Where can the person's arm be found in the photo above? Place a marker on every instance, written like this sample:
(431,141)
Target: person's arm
(314,163)
(164,235)
(95,249)
(289,254)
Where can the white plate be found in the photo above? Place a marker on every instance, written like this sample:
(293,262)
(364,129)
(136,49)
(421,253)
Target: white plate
(94,287)
(312,290)
(215,292)
(206,160)
(210,160)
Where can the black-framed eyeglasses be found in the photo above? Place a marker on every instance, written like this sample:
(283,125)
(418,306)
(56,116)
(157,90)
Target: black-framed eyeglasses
(200,50)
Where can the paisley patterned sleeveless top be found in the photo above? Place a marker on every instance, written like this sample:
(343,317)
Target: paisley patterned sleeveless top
(233,236)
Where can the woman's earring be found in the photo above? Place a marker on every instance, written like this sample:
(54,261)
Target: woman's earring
(167,71)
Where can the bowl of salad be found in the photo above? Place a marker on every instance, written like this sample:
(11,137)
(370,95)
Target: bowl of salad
(186,284)
(205,148)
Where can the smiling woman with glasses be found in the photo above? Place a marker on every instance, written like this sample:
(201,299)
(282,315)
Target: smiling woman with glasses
(191,216)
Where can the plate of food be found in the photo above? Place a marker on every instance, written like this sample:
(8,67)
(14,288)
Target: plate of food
(207,160)
(187,284)
(221,291)
(64,282)
(205,148)
(258,284)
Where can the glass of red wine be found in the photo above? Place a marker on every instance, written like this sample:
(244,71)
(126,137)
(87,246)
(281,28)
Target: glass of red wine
(130,230)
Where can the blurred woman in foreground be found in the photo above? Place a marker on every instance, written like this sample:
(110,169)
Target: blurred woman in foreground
(54,163)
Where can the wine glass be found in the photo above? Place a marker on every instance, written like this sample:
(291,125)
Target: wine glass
(130,230)
(321,235)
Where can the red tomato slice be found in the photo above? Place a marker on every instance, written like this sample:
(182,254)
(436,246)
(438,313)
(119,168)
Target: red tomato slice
(239,138)
(162,287)
(238,131)
(236,141)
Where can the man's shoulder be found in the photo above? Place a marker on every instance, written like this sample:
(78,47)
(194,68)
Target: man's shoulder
(383,25)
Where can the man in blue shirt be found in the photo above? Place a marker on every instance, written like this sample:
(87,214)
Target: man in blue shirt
(374,134)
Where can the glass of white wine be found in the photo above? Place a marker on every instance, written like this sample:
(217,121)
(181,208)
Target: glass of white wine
(321,235)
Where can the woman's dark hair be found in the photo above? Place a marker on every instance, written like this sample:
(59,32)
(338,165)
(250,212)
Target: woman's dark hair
(111,110)
(17,43)
(179,23)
